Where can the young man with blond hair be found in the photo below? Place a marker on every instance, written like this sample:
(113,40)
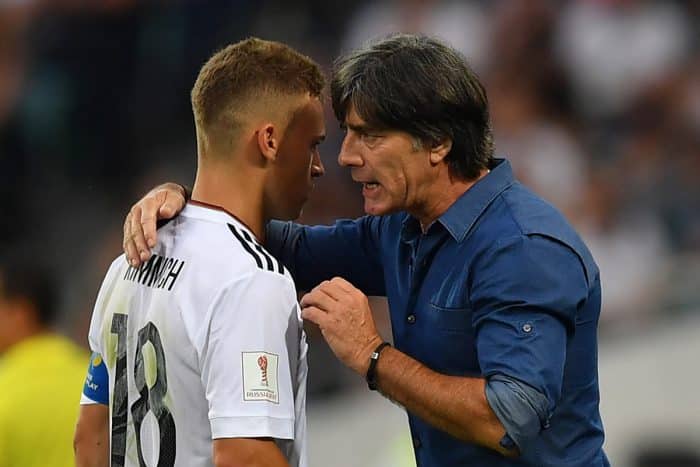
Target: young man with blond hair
(202,346)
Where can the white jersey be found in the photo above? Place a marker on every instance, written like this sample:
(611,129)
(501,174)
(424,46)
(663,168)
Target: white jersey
(204,341)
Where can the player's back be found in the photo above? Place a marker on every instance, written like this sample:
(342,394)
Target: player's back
(203,341)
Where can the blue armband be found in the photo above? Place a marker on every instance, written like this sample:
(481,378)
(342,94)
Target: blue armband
(96,386)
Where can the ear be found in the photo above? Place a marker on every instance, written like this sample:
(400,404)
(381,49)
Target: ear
(268,140)
(440,150)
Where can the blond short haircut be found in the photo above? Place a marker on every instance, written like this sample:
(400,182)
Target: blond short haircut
(245,76)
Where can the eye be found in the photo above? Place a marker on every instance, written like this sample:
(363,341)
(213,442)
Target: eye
(370,139)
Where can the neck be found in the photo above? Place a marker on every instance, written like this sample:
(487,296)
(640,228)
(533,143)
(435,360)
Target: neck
(238,190)
(442,195)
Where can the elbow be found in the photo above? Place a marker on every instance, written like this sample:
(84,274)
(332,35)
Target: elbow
(79,447)
(90,447)
(78,440)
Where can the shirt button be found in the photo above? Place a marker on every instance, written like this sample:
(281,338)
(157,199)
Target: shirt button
(527,327)
(411,319)
(416,442)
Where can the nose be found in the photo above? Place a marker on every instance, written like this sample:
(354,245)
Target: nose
(349,156)
(317,169)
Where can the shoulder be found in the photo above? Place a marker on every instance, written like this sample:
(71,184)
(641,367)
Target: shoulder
(260,285)
(240,263)
(527,215)
(259,296)
(532,213)
(216,253)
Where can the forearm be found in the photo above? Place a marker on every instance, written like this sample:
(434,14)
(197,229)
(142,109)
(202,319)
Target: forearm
(456,405)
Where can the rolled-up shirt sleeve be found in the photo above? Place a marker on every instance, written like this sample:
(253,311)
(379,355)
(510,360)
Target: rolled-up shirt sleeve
(525,294)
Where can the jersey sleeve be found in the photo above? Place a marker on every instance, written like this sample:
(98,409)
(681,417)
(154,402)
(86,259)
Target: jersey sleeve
(247,371)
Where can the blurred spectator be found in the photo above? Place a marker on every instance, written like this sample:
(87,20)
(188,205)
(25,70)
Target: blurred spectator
(463,24)
(632,253)
(613,48)
(41,373)
(530,104)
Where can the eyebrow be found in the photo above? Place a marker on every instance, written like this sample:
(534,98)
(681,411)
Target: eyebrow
(361,128)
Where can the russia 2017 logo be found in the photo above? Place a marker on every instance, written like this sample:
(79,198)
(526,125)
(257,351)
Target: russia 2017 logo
(260,376)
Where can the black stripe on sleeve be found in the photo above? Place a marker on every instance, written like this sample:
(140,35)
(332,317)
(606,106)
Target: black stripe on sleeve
(247,248)
(260,249)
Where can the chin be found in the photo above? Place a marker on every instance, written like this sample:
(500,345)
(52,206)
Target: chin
(379,210)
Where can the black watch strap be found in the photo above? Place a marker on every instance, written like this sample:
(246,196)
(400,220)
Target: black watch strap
(372,370)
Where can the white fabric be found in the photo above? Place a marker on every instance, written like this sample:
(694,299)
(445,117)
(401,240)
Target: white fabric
(216,311)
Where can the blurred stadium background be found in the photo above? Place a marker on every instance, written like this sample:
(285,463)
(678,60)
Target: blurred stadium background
(595,102)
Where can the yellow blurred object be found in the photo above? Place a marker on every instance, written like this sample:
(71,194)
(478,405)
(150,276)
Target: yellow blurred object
(40,385)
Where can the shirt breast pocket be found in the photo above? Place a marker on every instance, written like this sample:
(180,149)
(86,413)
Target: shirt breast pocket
(453,318)
(452,340)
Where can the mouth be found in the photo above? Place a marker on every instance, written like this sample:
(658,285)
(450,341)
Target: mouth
(370,189)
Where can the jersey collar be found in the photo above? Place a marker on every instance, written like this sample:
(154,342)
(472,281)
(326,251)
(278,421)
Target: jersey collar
(214,213)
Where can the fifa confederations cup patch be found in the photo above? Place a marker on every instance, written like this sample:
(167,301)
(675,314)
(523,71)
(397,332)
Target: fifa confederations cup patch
(260,376)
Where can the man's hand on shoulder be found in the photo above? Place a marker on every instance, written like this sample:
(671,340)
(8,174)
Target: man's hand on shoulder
(162,202)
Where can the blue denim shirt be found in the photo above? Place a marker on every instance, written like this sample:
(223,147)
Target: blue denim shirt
(500,286)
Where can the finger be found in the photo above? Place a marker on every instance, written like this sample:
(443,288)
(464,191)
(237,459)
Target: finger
(150,206)
(318,298)
(136,232)
(129,247)
(314,290)
(315,315)
(343,284)
(173,202)
(336,290)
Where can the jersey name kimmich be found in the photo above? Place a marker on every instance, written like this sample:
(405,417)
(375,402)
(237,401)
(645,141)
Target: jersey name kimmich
(159,272)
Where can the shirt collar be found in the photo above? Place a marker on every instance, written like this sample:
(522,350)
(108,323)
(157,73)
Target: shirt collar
(213,213)
(463,213)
